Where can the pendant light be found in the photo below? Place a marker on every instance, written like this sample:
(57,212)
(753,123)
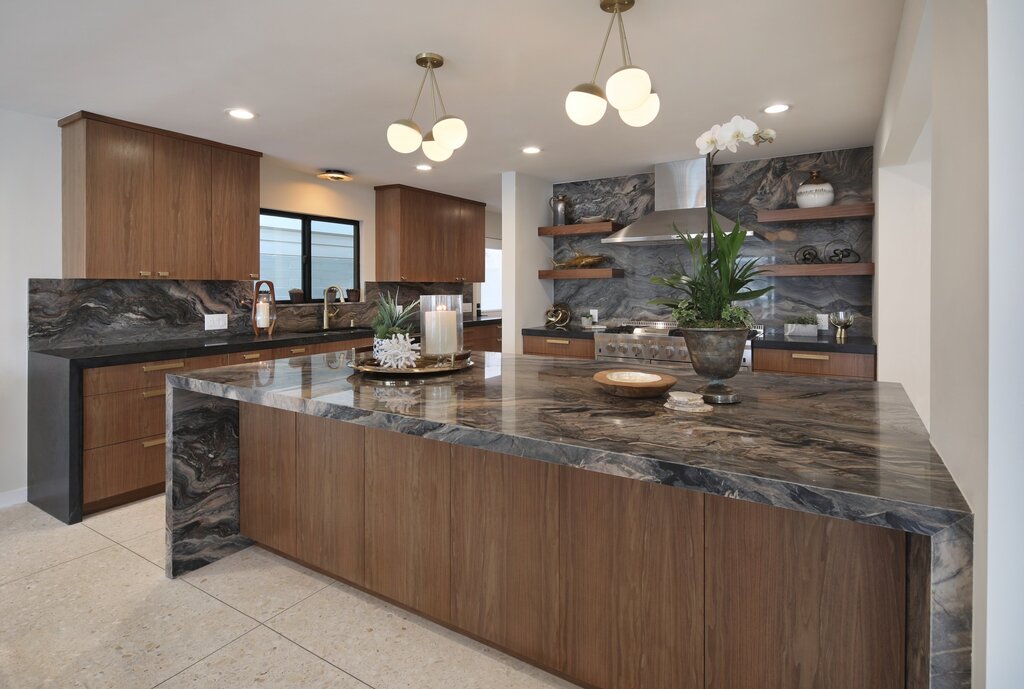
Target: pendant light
(628,89)
(447,134)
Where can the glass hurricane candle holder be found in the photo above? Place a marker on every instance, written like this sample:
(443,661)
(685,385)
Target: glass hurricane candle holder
(440,324)
(264,308)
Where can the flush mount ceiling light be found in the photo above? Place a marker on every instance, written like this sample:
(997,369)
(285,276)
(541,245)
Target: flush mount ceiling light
(531,150)
(776,108)
(447,134)
(240,113)
(628,89)
(335,176)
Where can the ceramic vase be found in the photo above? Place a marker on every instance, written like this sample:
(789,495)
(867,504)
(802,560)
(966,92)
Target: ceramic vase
(816,192)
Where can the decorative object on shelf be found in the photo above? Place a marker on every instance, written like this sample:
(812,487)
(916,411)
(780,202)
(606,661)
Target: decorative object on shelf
(398,351)
(352,296)
(842,320)
(802,326)
(441,324)
(448,133)
(390,320)
(691,402)
(587,321)
(264,308)
(628,89)
(816,192)
(559,206)
(634,384)
(558,316)
(822,319)
(716,330)
(841,251)
(297,296)
(591,219)
(580,260)
(807,254)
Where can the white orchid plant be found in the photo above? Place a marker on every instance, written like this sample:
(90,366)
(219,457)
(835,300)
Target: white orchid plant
(738,130)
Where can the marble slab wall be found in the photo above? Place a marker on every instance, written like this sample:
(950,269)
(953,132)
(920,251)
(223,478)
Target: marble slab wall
(73,313)
(740,190)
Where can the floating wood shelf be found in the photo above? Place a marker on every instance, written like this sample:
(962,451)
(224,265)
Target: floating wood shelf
(580,273)
(818,269)
(845,211)
(606,227)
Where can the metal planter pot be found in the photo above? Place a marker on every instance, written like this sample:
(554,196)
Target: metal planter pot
(716,354)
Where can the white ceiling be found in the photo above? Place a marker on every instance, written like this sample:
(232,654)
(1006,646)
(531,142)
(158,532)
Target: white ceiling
(327,76)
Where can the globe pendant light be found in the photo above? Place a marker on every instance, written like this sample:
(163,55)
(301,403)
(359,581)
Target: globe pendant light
(448,133)
(628,89)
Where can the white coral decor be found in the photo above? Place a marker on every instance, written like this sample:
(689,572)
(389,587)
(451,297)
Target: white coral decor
(399,351)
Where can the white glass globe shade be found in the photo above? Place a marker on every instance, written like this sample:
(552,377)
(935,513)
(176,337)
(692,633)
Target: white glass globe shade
(628,88)
(585,104)
(404,136)
(645,114)
(434,150)
(451,132)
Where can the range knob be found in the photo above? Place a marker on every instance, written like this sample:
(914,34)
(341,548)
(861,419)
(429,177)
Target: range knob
(669,351)
(653,351)
(637,350)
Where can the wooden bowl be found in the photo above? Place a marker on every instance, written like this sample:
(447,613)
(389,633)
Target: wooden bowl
(630,383)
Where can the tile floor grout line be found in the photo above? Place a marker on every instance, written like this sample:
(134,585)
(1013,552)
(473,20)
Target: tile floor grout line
(217,650)
(222,602)
(314,653)
(44,569)
(304,598)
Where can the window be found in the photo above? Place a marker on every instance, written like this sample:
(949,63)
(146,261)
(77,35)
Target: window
(490,288)
(309,253)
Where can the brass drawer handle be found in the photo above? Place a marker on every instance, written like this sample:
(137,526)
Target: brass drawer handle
(144,273)
(154,442)
(162,273)
(146,394)
(252,355)
(254,276)
(297,350)
(163,367)
(557,342)
(813,357)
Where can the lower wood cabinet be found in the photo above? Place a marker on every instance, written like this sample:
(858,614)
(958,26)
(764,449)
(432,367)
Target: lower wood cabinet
(121,416)
(482,338)
(554,345)
(814,363)
(266,476)
(123,469)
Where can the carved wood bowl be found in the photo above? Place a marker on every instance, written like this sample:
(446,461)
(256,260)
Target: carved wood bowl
(635,384)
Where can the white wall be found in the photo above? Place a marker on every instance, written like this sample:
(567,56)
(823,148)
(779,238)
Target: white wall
(1005,623)
(285,189)
(30,234)
(524,298)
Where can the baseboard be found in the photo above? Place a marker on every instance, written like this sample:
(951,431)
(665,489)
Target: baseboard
(13,497)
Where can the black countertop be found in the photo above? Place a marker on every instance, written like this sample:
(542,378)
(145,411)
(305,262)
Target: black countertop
(573,332)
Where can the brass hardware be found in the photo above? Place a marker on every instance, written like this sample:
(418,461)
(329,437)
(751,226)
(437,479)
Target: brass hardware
(814,357)
(163,367)
(498,326)
(144,273)
(558,342)
(251,355)
(162,274)
(254,276)
(429,59)
(402,277)
(498,339)
(146,394)
(620,5)
(297,350)
(154,442)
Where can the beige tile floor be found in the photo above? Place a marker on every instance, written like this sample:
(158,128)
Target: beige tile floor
(89,606)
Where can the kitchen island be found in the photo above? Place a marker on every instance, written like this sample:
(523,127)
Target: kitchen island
(809,536)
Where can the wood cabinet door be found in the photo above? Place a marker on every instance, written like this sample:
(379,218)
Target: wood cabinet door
(118,204)
(388,235)
(801,600)
(236,215)
(558,346)
(632,572)
(425,252)
(408,514)
(329,496)
(842,364)
(182,204)
(470,251)
(505,542)
(266,476)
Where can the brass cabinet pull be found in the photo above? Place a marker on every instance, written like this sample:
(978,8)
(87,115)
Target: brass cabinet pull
(162,273)
(557,342)
(402,277)
(146,394)
(163,367)
(298,350)
(144,273)
(813,357)
(251,355)
(154,442)
(254,276)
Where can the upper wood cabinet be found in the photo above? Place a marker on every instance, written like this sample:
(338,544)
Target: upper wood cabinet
(140,202)
(423,236)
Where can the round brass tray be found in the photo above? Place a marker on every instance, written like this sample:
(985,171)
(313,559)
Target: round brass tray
(425,366)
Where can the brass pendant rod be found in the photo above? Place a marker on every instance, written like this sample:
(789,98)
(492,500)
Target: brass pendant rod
(437,87)
(433,91)
(418,94)
(604,46)
(627,59)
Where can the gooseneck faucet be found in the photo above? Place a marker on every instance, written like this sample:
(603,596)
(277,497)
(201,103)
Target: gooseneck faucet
(327,304)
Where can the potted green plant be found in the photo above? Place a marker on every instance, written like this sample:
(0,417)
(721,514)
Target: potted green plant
(802,326)
(391,326)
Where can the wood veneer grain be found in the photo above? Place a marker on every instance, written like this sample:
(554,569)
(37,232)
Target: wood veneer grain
(267,504)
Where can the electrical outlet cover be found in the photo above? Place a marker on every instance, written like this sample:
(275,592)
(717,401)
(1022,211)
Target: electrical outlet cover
(216,321)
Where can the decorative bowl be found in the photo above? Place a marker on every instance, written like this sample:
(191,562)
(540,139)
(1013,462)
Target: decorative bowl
(636,384)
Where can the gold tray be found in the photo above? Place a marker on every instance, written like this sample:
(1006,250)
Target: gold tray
(424,366)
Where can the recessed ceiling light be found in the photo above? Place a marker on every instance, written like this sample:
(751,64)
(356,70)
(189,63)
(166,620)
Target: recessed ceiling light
(335,176)
(776,108)
(531,150)
(240,113)
(423,167)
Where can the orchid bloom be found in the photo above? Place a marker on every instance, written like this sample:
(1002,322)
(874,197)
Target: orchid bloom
(708,141)
(731,134)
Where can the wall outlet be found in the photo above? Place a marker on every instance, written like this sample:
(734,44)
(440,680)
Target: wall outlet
(216,321)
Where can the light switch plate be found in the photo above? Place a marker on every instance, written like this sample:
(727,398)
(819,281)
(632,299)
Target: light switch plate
(216,321)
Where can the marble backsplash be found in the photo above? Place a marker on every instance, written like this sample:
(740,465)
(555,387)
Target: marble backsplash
(72,313)
(740,190)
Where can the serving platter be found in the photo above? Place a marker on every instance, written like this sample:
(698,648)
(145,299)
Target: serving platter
(425,366)
(636,384)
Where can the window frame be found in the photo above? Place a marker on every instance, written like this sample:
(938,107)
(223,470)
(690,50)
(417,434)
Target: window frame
(305,260)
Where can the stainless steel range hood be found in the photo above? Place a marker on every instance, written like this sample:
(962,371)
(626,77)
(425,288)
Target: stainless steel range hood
(680,190)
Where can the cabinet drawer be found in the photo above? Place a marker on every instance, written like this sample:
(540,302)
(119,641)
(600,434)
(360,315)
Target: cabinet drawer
(343,346)
(297,350)
(558,346)
(117,417)
(841,364)
(122,468)
(201,362)
(250,357)
(150,374)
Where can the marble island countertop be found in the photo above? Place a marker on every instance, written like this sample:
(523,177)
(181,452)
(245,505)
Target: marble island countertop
(845,448)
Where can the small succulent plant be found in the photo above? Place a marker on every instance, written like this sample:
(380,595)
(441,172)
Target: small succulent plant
(391,319)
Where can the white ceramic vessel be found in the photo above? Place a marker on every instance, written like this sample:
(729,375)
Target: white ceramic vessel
(816,192)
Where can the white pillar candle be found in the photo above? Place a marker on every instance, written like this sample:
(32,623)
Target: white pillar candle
(262,314)
(440,331)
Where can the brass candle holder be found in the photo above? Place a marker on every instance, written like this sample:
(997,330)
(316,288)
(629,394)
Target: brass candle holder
(264,308)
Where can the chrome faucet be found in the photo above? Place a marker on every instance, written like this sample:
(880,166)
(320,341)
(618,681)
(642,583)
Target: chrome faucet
(327,304)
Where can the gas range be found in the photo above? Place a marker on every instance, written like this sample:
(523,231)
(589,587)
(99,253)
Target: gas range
(649,342)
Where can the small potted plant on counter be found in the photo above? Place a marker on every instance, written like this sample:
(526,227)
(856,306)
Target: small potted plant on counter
(392,345)
(802,326)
